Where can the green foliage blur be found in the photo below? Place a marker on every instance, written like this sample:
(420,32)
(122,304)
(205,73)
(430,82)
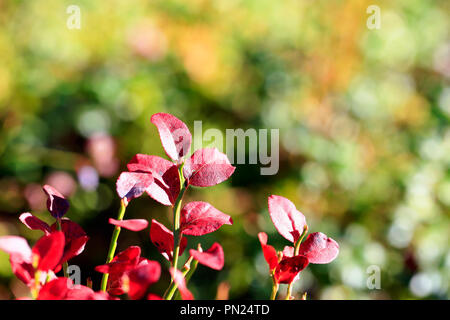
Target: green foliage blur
(363,117)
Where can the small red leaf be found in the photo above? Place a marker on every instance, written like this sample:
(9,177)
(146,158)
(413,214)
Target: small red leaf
(56,289)
(14,245)
(207,167)
(289,267)
(34,223)
(125,260)
(174,134)
(75,238)
(140,278)
(287,219)
(270,254)
(48,250)
(132,185)
(199,218)
(64,289)
(57,205)
(319,249)
(130,224)
(178,278)
(213,258)
(162,238)
(166,188)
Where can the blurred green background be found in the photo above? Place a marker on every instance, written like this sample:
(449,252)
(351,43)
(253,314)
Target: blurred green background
(363,118)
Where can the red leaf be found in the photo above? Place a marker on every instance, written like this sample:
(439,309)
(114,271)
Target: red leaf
(270,254)
(162,238)
(140,278)
(174,134)
(130,224)
(132,185)
(57,205)
(22,269)
(152,296)
(319,249)
(288,251)
(213,258)
(119,265)
(48,251)
(34,223)
(166,188)
(287,219)
(17,246)
(56,289)
(207,167)
(289,267)
(179,280)
(199,218)
(75,238)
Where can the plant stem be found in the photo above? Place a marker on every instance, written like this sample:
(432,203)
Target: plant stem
(273,295)
(113,243)
(65,264)
(296,251)
(176,232)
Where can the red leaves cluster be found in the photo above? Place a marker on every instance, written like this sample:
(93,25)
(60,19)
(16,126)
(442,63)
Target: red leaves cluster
(291,224)
(159,178)
(164,181)
(53,249)
(130,273)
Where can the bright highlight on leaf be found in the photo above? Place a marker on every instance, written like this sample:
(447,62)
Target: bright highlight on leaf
(270,254)
(207,167)
(287,219)
(34,223)
(132,185)
(162,238)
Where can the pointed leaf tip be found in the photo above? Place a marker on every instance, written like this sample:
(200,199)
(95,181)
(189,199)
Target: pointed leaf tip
(174,134)
(162,238)
(199,218)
